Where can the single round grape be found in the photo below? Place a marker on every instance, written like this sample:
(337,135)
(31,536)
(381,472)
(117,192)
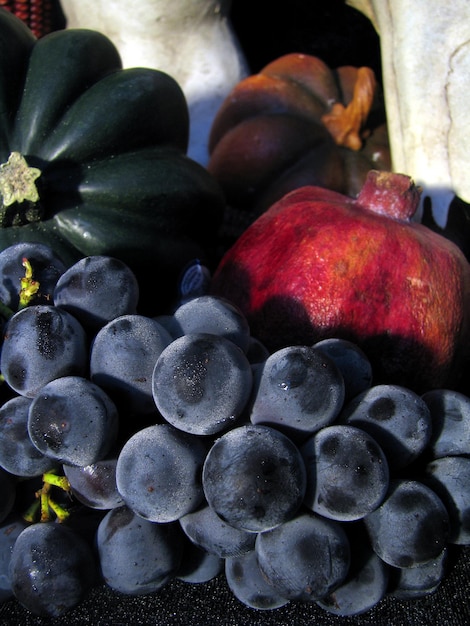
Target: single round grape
(137,556)
(450,415)
(410,527)
(46,265)
(198,566)
(352,362)
(194,281)
(421,580)
(73,421)
(254,478)
(449,477)
(347,473)
(51,568)
(248,584)
(305,558)
(300,391)
(10,528)
(96,290)
(42,343)
(208,531)
(95,485)
(158,473)
(122,359)
(18,454)
(214,315)
(201,383)
(396,417)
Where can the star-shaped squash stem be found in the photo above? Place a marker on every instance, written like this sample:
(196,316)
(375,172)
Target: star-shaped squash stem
(17,180)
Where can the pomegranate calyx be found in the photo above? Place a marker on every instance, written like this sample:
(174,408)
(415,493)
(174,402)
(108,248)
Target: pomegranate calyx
(390,194)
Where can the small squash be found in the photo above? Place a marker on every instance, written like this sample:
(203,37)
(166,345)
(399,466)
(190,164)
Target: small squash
(298,122)
(93,158)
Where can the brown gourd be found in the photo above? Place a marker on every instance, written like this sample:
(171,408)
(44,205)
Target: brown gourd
(298,122)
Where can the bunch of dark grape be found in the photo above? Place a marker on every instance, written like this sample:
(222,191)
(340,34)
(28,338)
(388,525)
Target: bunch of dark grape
(137,450)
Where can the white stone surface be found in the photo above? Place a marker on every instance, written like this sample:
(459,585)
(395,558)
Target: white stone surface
(192,40)
(425,47)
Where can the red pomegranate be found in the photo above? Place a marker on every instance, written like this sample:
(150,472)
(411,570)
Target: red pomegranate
(319,264)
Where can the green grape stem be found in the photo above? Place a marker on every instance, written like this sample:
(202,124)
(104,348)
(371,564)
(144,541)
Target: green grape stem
(45,505)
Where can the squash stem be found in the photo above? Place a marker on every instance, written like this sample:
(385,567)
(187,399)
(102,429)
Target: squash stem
(345,123)
(18,187)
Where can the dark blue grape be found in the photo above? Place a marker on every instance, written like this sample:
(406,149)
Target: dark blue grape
(396,417)
(82,520)
(256,351)
(52,568)
(73,421)
(96,290)
(449,477)
(418,581)
(300,390)
(122,359)
(201,383)
(95,485)
(254,478)
(170,324)
(158,473)
(450,415)
(208,531)
(198,566)
(347,473)
(410,527)
(10,528)
(46,265)
(305,558)
(194,281)
(42,343)
(18,455)
(366,583)
(214,315)
(351,361)
(137,556)
(248,584)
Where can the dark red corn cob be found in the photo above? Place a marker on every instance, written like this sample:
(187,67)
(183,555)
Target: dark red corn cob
(21,10)
(41,16)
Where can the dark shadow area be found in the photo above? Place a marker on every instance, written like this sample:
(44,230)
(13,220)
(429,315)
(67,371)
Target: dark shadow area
(331,30)
(280,321)
(457,228)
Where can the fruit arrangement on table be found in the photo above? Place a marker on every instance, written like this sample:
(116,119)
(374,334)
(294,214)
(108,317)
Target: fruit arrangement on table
(292,417)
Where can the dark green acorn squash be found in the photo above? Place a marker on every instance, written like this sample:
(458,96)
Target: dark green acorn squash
(93,158)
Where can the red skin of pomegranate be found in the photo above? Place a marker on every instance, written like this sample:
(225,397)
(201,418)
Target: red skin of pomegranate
(319,264)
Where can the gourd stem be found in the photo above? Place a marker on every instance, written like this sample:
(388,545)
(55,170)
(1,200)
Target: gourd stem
(20,202)
(345,123)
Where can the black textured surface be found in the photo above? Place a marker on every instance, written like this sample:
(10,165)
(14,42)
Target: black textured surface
(213,604)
